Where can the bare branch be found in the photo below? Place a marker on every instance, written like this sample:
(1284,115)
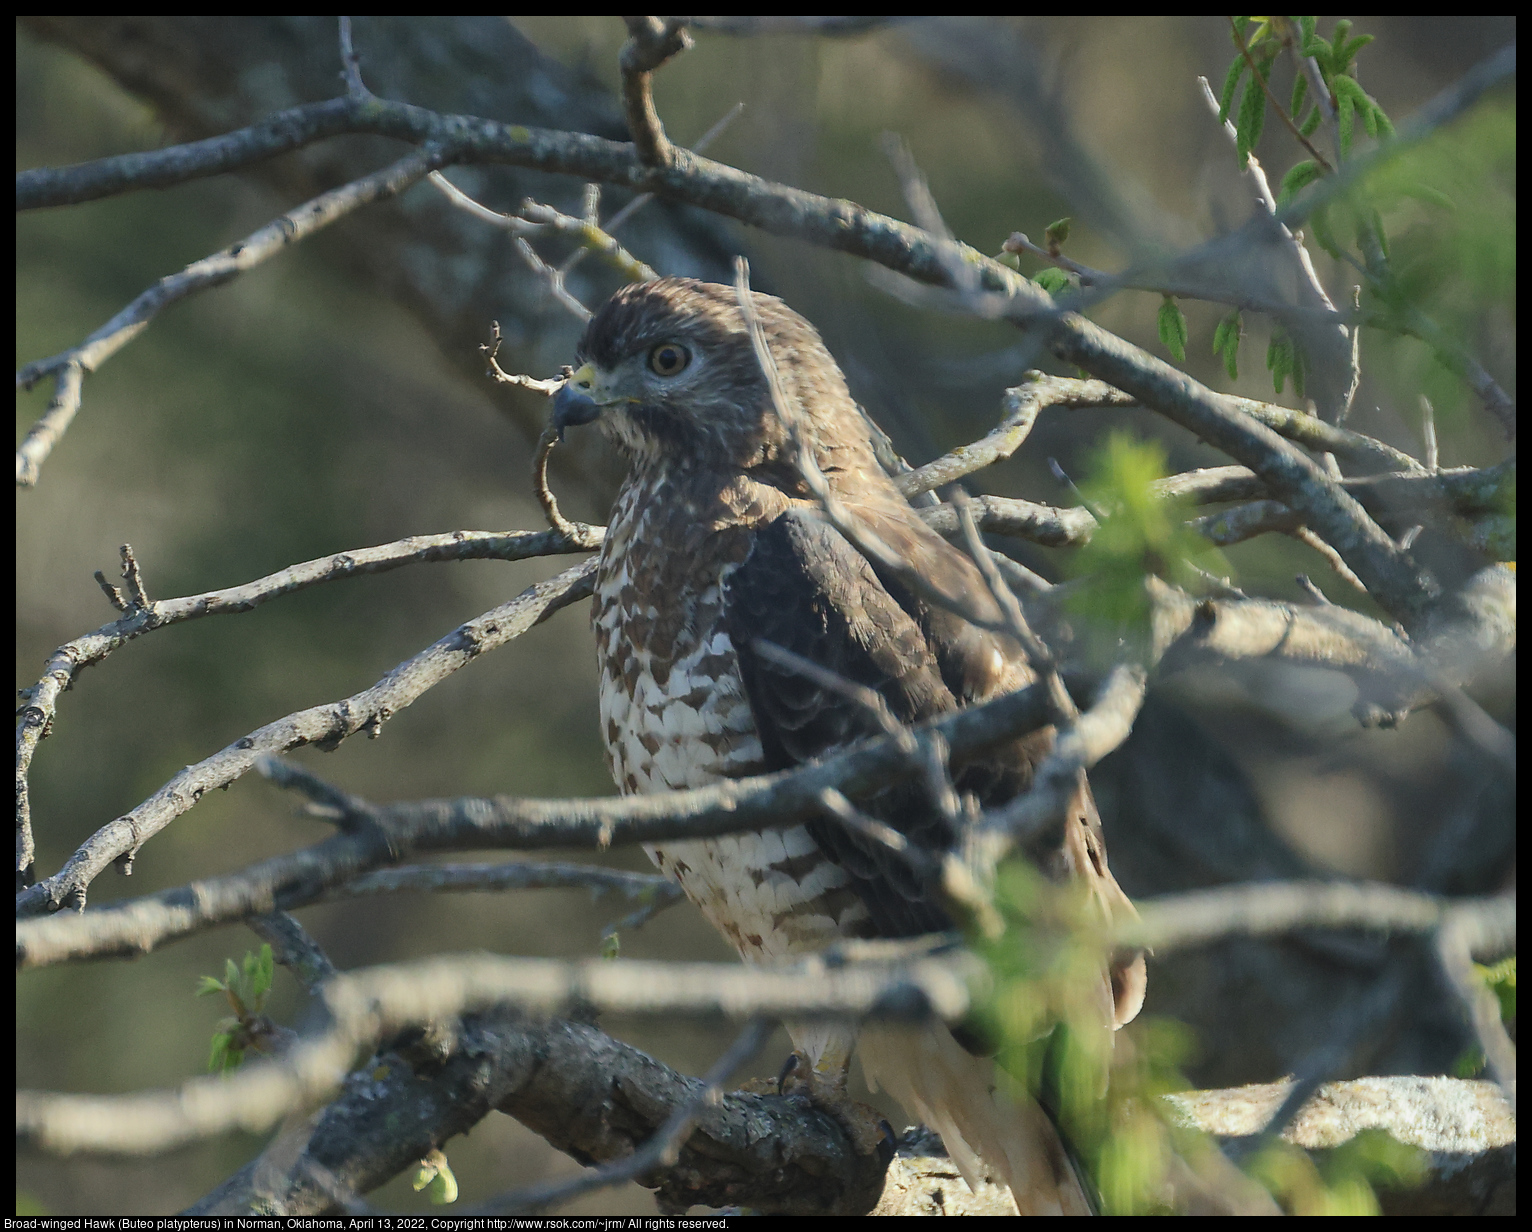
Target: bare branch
(42,187)
(1022,406)
(210,272)
(350,64)
(824,27)
(65,664)
(661,1151)
(506,875)
(1487,932)
(587,1094)
(366,1006)
(326,725)
(375,835)
(1271,908)
(651,42)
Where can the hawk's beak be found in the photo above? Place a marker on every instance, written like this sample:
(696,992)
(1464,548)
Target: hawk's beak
(577,402)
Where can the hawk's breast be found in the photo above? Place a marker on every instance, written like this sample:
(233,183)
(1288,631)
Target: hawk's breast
(674,714)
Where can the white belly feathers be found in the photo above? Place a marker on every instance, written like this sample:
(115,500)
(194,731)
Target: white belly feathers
(674,714)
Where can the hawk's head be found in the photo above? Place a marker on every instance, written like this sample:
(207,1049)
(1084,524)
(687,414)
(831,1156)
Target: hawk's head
(668,370)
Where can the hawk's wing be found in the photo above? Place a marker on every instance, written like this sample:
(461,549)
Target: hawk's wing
(806,589)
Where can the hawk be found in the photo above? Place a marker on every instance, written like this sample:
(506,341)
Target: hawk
(714,546)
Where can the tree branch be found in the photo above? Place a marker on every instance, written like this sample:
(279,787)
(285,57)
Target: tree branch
(325,725)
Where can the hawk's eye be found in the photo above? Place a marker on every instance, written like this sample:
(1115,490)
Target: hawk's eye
(668,359)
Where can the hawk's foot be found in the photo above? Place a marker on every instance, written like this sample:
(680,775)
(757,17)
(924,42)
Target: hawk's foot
(869,1132)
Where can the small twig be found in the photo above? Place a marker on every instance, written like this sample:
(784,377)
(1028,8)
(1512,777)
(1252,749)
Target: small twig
(1268,199)
(350,65)
(1428,432)
(554,278)
(1309,539)
(1078,747)
(643,199)
(1022,404)
(294,948)
(491,352)
(1018,241)
(840,808)
(867,698)
(651,42)
(494,878)
(1038,654)
(212,271)
(1306,584)
(577,532)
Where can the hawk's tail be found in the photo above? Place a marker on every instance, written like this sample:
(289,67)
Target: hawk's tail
(988,1135)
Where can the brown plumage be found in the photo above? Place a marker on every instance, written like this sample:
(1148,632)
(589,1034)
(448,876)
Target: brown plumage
(714,543)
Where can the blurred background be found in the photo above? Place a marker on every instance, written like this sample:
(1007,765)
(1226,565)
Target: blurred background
(333,399)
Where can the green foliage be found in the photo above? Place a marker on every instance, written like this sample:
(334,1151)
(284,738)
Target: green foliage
(1339,1181)
(1252,116)
(1501,980)
(434,1175)
(246,987)
(1285,358)
(1053,280)
(1226,339)
(1044,1014)
(1139,532)
(1298,177)
(1173,328)
(1057,234)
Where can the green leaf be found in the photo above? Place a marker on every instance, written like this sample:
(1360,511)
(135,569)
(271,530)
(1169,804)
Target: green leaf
(265,971)
(207,984)
(1056,234)
(1469,1064)
(1300,95)
(1349,99)
(1052,280)
(1173,328)
(1230,84)
(611,945)
(1319,224)
(223,1056)
(1010,260)
(1313,121)
(1306,28)
(1279,358)
(1298,177)
(1252,118)
(1501,979)
(1347,52)
(1226,342)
